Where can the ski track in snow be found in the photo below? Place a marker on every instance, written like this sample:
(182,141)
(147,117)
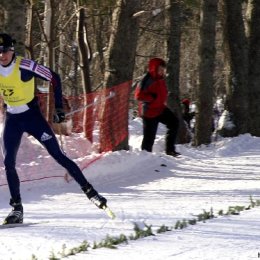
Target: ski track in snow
(141,189)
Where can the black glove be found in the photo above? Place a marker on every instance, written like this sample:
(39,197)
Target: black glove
(59,115)
(154,95)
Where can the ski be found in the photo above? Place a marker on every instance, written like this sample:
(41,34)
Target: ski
(164,156)
(109,212)
(5,226)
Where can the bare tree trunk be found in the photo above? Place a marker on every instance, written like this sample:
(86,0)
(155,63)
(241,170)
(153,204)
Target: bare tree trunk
(62,43)
(29,22)
(98,24)
(173,65)
(248,17)
(14,23)
(236,54)
(122,46)
(2,18)
(84,53)
(49,32)
(254,69)
(84,56)
(121,59)
(203,126)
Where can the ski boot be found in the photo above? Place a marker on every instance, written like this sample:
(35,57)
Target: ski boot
(16,215)
(94,197)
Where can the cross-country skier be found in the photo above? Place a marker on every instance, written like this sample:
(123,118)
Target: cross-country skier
(22,114)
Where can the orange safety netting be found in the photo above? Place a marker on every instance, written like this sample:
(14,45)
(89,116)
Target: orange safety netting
(95,123)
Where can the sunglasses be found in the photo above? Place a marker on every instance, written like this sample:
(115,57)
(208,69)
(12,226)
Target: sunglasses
(6,49)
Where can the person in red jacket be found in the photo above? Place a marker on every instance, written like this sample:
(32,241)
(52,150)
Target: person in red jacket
(152,93)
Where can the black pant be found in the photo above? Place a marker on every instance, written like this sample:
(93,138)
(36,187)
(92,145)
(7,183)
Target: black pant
(35,124)
(150,126)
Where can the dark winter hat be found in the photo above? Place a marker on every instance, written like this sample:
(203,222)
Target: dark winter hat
(153,65)
(6,42)
(186,101)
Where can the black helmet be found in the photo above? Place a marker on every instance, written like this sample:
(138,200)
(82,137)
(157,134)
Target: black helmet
(6,42)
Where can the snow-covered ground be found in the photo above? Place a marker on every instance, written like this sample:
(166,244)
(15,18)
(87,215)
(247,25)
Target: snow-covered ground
(149,188)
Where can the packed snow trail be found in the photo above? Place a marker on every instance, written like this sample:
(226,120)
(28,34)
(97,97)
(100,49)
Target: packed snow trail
(140,188)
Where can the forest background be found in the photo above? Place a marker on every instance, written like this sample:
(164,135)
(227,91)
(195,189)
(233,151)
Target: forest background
(211,48)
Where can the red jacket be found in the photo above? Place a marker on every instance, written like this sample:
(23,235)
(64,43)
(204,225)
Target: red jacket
(152,91)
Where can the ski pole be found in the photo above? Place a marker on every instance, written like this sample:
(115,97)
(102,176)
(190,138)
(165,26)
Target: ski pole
(111,94)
